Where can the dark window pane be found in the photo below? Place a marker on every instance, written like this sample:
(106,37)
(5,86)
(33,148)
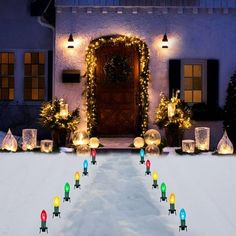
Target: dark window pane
(11,58)
(27,70)
(11,69)
(11,82)
(28,83)
(27,94)
(41,70)
(5,94)
(35,58)
(41,83)
(41,94)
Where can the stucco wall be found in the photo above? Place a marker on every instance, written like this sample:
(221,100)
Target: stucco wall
(191,36)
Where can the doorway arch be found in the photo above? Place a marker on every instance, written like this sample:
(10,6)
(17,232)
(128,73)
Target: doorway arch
(143,79)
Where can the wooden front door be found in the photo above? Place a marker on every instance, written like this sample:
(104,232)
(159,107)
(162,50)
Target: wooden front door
(117,109)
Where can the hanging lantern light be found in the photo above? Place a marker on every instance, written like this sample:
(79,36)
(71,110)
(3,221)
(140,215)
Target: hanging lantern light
(85,164)
(154,177)
(64,110)
(43,217)
(142,154)
(93,154)
(148,166)
(171,109)
(138,142)
(9,142)
(94,142)
(56,203)
(70,41)
(67,192)
(77,179)
(165,41)
(225,146)
(172,201)
(163,192)
(182,216)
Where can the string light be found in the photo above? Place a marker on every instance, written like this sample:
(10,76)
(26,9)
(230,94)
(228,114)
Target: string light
(144,75)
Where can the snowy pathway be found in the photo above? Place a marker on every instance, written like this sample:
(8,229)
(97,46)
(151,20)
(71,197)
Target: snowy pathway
(115,203)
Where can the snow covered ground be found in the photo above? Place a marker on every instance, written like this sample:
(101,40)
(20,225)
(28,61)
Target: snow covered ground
(117,198)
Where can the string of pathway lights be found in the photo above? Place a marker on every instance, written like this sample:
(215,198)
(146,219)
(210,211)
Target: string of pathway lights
(66,198)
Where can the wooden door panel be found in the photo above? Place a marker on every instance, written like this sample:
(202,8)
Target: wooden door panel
(117,110)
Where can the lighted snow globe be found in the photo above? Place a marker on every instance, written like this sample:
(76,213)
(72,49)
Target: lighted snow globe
(152,136)
(138,142)
(225,146)
(94,142)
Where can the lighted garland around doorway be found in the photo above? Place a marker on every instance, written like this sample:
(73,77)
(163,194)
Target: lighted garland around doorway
(143,77)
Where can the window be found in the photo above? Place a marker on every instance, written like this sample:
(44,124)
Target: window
(193,84)
(34,75)
(7,60)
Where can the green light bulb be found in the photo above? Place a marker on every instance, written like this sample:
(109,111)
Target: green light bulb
(67,187)
(163,187)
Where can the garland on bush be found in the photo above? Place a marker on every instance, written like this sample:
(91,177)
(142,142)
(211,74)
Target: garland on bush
(143,77)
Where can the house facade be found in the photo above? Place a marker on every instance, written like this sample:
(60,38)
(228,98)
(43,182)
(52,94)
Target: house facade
(199,59)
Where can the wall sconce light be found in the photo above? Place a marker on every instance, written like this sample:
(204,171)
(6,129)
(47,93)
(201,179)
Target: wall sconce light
(165,41)
(70,41)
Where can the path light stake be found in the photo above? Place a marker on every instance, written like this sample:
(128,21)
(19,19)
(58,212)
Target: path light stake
(163,192)
(56,203)
(85,164)
(148,165)
(182,216)
(67,192)
(43,217)
(155,177)
(93,154)
(77,179)
(142,154)
(172,209)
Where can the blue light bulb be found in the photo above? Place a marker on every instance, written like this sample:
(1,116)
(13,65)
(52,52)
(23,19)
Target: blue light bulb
(85,164)
(182,214)
(142,153)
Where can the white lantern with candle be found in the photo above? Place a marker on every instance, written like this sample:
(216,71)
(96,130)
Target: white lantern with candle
(188,145)
(171,109)
(29,137)
(46,145)
(202,138)
(225,146)
(64,110)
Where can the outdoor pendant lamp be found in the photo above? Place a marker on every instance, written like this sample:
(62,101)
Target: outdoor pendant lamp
(70,41)
(165,41)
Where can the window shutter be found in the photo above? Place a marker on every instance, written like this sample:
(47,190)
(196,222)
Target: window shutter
(50,69)
(174,75)
(212,83)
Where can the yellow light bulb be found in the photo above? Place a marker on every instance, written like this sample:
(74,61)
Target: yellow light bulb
(56,201)
(172,198)
(155,176)
(77,176)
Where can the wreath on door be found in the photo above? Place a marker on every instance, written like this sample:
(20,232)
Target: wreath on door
(117,69)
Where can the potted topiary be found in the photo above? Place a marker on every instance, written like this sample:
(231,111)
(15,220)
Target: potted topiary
(174,116)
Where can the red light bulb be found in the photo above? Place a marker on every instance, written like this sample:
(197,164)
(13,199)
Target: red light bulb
(148,164)
(93,152)
(43,216)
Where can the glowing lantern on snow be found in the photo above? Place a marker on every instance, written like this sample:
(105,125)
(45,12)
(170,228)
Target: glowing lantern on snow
(188,146)
(9,142)
(148,166)
(67,192)
(77,179)
(155,177)
(202,137)
(29,137)
(94,142)
(225,146)
(93,154)
(56,203)
(152,136)
(64,110)
(138,142)
(43,217)
(46,145)
(142,154)
(163,192)
(172,203)
(182,216)
(152,149)
(85,164)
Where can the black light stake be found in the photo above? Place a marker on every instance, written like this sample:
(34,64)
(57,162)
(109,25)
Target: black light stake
(165,41)
(70,41)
